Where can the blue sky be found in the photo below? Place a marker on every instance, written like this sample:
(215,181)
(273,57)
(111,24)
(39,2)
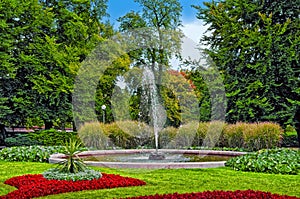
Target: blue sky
(118,8)
(192,27)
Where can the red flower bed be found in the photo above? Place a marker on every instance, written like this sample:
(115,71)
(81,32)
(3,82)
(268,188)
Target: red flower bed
(218,195)
(30,186)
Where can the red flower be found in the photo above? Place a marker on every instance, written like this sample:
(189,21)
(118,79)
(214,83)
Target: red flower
(30,186)
(219,195)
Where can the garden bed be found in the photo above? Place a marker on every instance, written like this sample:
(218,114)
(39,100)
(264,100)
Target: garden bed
(248,194)
(35,185)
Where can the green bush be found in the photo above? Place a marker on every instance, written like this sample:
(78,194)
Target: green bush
(136,134)
(117,136)
(29,153)
(166,136)
(21,140)
(93,135)
(278,161)
(51,137)
(185,135)
(290,138)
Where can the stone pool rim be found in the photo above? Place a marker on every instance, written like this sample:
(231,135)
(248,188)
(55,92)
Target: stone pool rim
(55,158)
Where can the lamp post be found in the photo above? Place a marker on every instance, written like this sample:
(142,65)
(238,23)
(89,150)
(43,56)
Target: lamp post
(103,107)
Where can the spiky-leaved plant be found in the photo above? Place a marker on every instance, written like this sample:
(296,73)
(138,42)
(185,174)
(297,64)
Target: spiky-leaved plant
(73,163)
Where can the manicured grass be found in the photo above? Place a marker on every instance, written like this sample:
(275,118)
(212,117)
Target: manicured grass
(167,181)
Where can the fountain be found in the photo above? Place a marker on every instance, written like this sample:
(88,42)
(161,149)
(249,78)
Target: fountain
(173,158)
(157,113)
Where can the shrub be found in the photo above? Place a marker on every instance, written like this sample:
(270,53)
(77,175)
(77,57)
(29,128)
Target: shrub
(278,161)
(166,136)
(185,135)
(93,135)
(252,136)
(29,153)
(51,137)
(214,134)
(290,139)
(21,140)
(262,135)
(201,133)
(129,134)
(234,134)
(72,164)
(209,134)
(119,137)
(137,133)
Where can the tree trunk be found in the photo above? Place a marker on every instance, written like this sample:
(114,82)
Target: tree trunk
(297,121)
(2,133)
(74,126)
(48,125)
(298,133)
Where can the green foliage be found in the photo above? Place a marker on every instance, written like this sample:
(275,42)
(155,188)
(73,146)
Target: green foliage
(93,135)
(290,139)
(29,153)
(179,98)
(72,163)
(52,137)
(43,43)
(166,136)
(255,46)
(21,140)
(157,28)
(278,161)
(121,138)
(107,85)
(185,135)
(49,137)
(56,174)
(140,134)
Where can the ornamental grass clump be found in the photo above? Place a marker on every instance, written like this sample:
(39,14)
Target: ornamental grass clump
(73,167)
(94,135)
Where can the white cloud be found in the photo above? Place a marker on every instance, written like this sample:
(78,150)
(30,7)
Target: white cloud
(194,30)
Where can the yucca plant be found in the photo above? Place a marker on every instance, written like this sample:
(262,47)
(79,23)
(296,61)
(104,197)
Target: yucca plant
(73,163)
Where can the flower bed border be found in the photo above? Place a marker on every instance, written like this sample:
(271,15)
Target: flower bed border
(239,194)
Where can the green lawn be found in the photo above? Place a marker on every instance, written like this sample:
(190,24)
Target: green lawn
(167,181)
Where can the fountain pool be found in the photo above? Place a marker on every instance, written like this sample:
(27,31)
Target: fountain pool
(136,158)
